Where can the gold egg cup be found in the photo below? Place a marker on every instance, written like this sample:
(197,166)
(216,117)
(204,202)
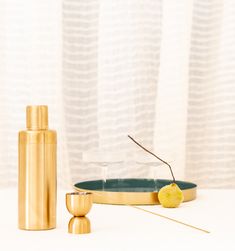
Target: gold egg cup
(79,204)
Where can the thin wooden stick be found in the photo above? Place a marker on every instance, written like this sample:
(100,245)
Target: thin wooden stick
(171,219)
(137,143)
(164,217)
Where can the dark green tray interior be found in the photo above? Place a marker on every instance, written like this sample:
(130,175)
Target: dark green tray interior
(131,185)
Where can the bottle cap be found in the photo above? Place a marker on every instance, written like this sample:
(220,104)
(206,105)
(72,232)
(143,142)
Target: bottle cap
(37,117)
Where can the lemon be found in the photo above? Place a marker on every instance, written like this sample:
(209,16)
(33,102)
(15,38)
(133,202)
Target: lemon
(170,195)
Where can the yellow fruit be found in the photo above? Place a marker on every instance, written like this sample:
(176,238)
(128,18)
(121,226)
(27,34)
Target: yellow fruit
(170,195)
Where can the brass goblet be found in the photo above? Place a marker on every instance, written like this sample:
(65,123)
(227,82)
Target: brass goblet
(79,204)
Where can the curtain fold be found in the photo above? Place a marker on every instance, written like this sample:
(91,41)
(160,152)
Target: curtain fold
(111,61)
(80,81)
(211,107)
(30,72)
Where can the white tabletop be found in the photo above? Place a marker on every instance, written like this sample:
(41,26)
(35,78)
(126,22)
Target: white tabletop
(127,228)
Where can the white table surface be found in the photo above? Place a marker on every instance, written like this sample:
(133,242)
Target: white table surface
(126,228)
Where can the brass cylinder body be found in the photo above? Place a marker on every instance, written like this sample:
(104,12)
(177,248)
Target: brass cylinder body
(37,173)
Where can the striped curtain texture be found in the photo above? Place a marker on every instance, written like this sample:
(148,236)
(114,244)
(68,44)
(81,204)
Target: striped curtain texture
(111,60)
(210,147)
(161,71)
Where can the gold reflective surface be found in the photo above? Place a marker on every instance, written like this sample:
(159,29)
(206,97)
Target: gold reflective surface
(37,180)
(133,198)
(37,117)
(79,225)
(79,204)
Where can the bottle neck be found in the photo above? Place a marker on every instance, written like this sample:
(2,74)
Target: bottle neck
(37,118)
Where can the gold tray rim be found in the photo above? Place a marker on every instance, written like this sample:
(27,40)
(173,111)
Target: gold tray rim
(133,198)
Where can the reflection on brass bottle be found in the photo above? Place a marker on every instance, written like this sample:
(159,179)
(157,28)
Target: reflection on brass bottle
(37,172)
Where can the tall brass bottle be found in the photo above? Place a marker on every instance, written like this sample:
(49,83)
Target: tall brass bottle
(37,172)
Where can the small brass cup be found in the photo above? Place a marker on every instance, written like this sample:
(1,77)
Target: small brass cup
(79,204)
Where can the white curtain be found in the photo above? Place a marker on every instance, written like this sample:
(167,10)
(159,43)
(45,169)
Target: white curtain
(160,70)
(210,147)
(111,63)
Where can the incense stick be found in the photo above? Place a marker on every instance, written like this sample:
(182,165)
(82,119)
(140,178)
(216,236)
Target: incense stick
(148,151)
(171,219)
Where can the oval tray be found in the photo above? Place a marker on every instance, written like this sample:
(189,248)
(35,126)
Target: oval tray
(132,191)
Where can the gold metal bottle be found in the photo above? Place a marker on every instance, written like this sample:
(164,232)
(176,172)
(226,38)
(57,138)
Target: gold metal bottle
(37,172)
